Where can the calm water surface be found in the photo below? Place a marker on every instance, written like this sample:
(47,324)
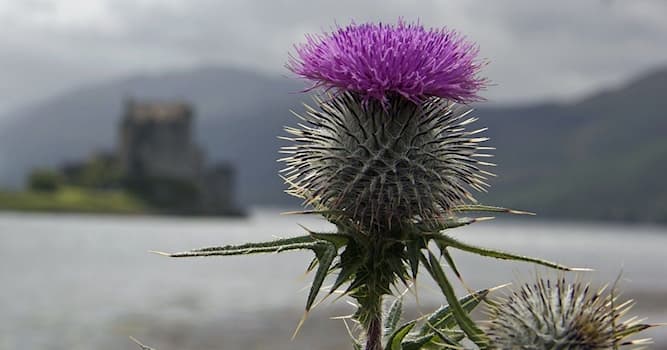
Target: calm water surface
(88,282)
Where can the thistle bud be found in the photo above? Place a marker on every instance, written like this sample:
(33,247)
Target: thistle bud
(561,315)
(385,166)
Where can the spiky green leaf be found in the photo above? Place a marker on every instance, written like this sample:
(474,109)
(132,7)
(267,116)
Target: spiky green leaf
(325,252)
(451,263)
(394,315)
(443,318)
(280,245)
(339,240)
(488,209)
(451,242)
(396,338)
(449,223)
(451,340)
(462,318)
(416,343)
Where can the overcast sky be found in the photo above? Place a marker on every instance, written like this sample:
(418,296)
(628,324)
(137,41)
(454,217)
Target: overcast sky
(551,49)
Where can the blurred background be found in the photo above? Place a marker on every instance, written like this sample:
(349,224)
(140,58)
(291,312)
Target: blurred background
(128,126)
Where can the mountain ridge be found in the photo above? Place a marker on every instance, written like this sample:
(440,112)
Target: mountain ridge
(598,157)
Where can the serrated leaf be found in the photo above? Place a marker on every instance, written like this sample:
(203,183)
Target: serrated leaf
(443,318)
(453,334)
(416,344)
(393,317)
(489,209)
(339,240)
(325,256)
(450,342)
(462,318)
(286,244)
(451,263)
(394,341)
(451,242)
(451,223)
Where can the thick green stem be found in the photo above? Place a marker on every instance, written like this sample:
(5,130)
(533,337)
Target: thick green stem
(369,298)
(369,315)
(374,333)
(382,264)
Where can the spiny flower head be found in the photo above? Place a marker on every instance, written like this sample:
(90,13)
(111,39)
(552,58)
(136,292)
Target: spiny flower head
(380,60)
(385,167)
(561,315)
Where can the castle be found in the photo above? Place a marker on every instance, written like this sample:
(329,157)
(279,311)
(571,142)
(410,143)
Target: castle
(159,159)
(155,140)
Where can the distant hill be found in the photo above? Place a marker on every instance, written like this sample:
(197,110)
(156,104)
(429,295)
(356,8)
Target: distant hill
(239,115)
(602,157)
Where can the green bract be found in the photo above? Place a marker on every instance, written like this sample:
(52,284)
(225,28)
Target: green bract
(384,168)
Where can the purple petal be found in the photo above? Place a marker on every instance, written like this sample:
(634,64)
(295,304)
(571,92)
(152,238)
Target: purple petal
(380,60)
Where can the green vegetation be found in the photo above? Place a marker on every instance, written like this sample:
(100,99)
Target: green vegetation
(44,181)
(73,199)
(100,171)
(97,185)
(166,194)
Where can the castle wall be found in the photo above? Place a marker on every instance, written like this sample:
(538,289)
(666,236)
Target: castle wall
(159,147)
(159,159)
(218,183)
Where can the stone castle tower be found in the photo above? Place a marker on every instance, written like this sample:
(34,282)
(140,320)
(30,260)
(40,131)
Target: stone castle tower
(157,152)
(156,141)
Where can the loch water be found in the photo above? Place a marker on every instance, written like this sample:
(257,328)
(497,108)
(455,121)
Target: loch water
(89,282)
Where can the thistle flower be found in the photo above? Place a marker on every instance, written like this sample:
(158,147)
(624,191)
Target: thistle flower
(561,315)
(388,158)
(385,167)
(380,60)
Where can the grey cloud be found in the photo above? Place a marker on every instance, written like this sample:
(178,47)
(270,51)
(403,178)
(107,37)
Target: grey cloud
(538,49)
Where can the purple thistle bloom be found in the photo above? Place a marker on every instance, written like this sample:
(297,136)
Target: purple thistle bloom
(380,60)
